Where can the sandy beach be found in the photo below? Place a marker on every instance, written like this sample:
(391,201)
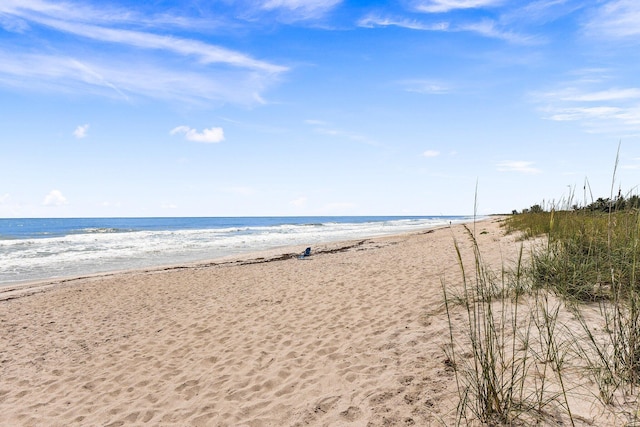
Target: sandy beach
(352,336)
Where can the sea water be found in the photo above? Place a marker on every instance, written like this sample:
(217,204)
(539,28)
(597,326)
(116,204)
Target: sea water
(36,249)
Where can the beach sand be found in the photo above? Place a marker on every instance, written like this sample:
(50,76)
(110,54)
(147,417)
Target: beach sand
(352,336)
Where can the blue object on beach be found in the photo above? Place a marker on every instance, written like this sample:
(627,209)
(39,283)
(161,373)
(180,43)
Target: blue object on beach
(306,253)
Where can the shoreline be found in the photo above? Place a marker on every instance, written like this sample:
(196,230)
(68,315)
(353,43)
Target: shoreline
(69,248)
(14,290)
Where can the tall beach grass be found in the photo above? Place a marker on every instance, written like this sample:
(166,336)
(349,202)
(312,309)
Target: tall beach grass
(572,306)
(559,325)
(592,256)
(509,366)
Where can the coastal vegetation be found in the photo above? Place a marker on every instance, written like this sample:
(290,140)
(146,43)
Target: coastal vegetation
(559,328)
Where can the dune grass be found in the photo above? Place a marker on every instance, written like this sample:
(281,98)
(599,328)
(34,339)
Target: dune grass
(593,256)
(511,368)
(589,255)
(582,257)
(512,347)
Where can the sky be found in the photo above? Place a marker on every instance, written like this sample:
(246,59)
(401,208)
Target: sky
(117,108)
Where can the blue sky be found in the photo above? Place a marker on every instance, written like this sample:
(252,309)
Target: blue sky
(319,107)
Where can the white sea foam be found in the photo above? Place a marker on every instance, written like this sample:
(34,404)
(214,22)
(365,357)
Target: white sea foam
(105,249)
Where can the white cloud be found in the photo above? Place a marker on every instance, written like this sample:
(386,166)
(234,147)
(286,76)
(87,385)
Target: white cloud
(614,117)
(586,113)
(613,94)
(490,29)
(440,6)
(81,131)
(431,153)
(595,102)
(209,136)
(316,122)
(55,198)
(60,17)
(616,19)
(486,28)
(105,14)
(52,73)
(13,25)
(162,66)
(169,206)
(206,53)
(4,198)
(372,21)
(303,9)
(517,166)
(324,128)
(540,12)
(339,133)
(424,86)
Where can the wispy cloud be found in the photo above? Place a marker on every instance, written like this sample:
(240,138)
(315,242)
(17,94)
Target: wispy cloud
(615,19)
(517,23)
(585,113)
(517,166)
(339,133)
(613,94)
(490,29)
(55,198)
(301,9)
(601,119)
(425,86)
(115,78)
(205,53)
(145,64)
(632,164)
(81,131)
(315,122)
(371,21)
(93,24)
(542,11)
(211,135)
(441,6)
(486,28)
(15,15)
(324,128)
(431,153)
(587,101)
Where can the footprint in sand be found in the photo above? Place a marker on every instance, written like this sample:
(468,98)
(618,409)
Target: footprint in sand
(319,409)
(352,413)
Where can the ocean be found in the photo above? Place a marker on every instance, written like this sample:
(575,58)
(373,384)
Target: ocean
(38,249)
